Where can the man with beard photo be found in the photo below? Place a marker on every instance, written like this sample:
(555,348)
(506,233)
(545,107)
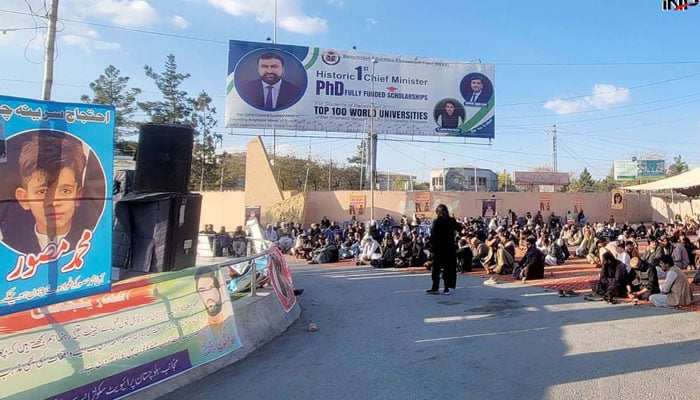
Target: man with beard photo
(208,289)
(270,92)
(218,336)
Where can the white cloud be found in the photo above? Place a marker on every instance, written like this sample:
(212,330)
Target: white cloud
(339,3)
(100,45)
(604,96)
(128,13)
(370,23)
(303,24)
(179,22)
(290,15)
(87,44)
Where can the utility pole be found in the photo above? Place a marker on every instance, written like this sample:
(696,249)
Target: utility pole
(363,162)
(308,165)
(373,146)
(50,50)
(554,147)
(330,165)
(203,107)
(274,131)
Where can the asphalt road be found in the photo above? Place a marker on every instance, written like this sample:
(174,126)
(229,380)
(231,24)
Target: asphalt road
(381,337)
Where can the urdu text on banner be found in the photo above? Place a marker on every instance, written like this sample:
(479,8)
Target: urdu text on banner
(55,201)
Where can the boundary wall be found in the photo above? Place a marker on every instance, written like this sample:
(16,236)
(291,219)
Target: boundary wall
(228,208)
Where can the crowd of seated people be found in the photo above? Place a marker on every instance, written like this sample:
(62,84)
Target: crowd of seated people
(521,246)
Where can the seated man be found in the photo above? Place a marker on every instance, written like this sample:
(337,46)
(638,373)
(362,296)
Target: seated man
(480,252)
(369,250)
(553,252)
(643,281)
(388,249)
(531,266)
(676,290)
(222,242)
(238,242)
(504,261)
(418,251)
(612,280)
(326,253)
(464,256)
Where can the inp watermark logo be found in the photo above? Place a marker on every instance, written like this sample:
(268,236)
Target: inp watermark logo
(678,5)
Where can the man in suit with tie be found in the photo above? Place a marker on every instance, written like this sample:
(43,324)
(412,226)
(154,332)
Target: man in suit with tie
(270,92)
(478,92)
(478,95)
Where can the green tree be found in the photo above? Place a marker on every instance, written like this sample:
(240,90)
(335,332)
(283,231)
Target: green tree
(111,88)
(232,171)
(205,170)
(504,181)
(607,184)
(360,157)
(678,167)
(175,107)
(584,183)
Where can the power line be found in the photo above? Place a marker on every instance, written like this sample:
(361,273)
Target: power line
(607,92)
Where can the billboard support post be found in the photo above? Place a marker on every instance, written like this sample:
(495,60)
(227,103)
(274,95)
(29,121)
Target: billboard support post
(373,146)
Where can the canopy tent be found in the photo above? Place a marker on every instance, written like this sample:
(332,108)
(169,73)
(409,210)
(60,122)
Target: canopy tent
(681,181)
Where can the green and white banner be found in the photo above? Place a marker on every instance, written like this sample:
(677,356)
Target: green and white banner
(314,89)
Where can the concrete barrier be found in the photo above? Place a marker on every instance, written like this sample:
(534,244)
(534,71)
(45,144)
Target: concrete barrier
(259,320)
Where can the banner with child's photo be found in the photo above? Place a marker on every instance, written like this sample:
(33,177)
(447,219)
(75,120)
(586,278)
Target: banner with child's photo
(55,181)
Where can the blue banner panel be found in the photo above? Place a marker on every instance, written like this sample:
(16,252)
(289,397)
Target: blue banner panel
(55,185)
(328,90)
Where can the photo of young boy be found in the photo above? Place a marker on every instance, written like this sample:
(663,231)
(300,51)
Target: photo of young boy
(47,183)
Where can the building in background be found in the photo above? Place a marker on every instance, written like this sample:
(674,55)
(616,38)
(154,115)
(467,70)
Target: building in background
(386,180)
(463,179)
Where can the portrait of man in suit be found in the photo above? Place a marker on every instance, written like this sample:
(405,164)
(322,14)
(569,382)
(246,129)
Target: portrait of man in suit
(476,89)
(270,91)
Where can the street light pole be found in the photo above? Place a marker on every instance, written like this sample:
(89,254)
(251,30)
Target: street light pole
(444,181)
(373,145)
(50,51)
(203,108)
(221,181)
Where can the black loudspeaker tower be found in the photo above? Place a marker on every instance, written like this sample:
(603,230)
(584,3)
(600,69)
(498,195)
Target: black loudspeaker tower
(162,232)
(163,159)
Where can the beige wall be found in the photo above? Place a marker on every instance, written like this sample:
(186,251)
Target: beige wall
(223,209)
(228,208)
(664,209)
(596,206)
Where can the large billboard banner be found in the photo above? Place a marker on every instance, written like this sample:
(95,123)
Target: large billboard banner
(55,182)
(625,170)
(651,168)
(314,89)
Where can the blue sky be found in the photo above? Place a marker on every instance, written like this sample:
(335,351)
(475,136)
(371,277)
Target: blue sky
(619,79)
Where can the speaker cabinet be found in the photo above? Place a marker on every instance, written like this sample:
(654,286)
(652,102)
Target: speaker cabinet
(163,159)
(161,232)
